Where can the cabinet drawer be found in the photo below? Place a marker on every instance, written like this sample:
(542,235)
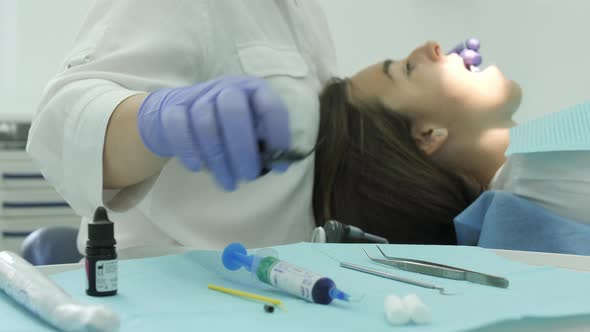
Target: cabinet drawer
(13,231)
(32,202)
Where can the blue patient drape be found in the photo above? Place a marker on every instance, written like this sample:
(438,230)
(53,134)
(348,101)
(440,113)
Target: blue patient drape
(502,220)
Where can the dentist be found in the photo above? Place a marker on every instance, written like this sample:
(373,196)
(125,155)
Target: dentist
(160,110)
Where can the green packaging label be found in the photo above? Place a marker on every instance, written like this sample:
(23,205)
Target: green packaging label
(263,271)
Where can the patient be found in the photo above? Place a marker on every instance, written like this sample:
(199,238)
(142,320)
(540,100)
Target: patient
(410,144)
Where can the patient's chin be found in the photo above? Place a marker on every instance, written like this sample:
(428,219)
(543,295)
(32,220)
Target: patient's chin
(514,97)
(500,94)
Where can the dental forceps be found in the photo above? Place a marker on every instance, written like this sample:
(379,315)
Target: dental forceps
(440,270)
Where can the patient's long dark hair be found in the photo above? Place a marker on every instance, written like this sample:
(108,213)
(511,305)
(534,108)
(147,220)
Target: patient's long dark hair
(370,173)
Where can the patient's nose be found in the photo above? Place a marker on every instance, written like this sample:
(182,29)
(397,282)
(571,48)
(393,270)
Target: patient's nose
(433,51)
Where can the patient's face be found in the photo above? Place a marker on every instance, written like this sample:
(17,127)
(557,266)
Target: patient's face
(430,86)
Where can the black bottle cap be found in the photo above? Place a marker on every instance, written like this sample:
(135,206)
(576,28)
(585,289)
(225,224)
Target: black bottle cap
(101,231)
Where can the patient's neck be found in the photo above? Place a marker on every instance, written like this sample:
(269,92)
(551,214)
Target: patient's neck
(478,153)
(491,154)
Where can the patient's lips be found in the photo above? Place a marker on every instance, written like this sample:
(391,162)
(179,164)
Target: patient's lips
(461,62)
(455,58)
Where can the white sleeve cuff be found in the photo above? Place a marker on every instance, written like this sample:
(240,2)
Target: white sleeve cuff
(83,144)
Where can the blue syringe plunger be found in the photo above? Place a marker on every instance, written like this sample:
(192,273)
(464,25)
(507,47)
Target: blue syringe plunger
(235,257)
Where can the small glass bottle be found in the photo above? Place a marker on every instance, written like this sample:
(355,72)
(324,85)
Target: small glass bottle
(101,256)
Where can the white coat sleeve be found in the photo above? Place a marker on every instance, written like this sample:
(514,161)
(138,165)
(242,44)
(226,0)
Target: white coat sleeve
(125,47)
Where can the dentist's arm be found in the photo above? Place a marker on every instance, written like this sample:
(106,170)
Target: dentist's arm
(215,125)
(126,161)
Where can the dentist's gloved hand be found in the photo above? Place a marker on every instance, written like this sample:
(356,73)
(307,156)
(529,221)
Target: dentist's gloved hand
(217,125)
(469,51)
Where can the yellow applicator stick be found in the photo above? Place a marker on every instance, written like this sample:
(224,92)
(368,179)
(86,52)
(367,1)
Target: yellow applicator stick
(247,295)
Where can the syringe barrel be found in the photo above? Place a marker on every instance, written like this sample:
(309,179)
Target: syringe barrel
(295,280)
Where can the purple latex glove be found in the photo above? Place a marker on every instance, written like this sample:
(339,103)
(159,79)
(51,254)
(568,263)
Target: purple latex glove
(217,125)
(469,51)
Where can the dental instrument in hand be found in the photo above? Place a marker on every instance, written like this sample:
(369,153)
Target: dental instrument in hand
(269,158)
(469,51)
(391,276)
(292,279)
(440,270)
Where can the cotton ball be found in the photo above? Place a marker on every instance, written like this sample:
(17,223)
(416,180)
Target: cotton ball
(396,311)
(419,312)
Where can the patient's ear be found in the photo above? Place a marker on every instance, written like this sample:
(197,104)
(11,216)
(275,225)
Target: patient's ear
(430,138)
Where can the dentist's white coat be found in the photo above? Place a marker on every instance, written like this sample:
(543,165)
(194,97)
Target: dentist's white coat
(131,46)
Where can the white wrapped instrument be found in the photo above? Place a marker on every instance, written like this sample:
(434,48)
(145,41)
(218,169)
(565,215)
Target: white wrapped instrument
(33,290)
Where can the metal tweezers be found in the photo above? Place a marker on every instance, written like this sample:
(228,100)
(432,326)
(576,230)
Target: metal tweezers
(391,276)
(440,270)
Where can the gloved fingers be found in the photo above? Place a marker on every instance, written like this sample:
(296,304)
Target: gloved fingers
(177,131)
(272,121)
(204,124)
(457,49)
(471,57)
(469,51)
(473,44)
(237,127)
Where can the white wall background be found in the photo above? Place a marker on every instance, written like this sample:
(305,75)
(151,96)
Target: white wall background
(542,44)
(8,49)
(32,47)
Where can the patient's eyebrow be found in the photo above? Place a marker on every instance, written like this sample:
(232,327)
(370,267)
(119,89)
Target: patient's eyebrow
(386,64)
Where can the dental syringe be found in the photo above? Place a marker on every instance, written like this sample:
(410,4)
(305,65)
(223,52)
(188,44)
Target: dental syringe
(292,279)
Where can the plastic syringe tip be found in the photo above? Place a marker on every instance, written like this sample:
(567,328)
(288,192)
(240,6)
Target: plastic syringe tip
(235,256)
(337,294)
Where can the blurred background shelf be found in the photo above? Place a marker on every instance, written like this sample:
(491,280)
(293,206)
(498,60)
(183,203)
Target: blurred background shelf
(27,201)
